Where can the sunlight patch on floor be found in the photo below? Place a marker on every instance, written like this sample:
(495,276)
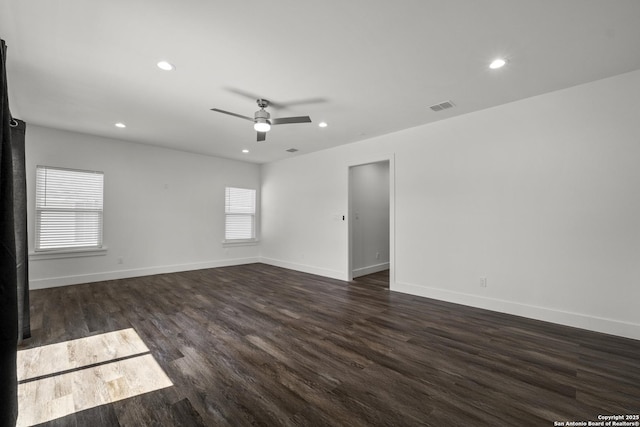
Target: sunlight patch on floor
(63,378)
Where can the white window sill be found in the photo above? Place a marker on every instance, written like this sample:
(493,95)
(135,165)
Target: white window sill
(244,242)
(67,253)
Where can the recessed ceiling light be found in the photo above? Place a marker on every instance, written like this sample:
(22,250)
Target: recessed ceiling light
(497,63)
(166,66)
(245,151)
(120,125)
(323,124)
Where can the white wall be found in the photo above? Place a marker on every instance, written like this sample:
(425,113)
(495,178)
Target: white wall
(302,210)
(369,193)
(164,209)
(540,196)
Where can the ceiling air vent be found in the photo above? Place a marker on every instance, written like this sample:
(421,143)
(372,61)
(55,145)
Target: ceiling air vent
(442,106)
(292,150)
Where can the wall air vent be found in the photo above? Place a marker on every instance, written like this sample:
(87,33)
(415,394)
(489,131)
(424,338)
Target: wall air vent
(442,106)
(292,150)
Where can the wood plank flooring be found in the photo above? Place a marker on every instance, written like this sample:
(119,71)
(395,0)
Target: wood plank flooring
(60,379)
(379,279)
(261,345)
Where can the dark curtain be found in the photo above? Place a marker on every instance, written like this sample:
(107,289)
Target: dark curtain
(18,128)
(8,262)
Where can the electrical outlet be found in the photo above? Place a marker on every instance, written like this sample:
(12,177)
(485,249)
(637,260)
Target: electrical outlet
(119,260)
(483,282)
(377,255)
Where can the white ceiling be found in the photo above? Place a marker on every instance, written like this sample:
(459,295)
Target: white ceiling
(365,67)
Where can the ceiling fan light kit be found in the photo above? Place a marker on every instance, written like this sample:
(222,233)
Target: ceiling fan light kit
(262,121)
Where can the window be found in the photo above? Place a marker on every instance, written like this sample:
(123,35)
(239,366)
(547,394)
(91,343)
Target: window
(68,208)
(240,214)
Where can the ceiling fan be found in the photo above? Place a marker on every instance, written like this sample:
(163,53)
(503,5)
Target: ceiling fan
(262,120)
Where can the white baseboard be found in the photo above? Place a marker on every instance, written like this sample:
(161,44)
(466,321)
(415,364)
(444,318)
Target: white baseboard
(334,274)
(363,271)
(577,320)
(52,282)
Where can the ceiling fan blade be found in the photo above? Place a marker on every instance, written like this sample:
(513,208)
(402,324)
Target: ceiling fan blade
(287,120)
(303,102)
(262,136)
(241,92)
(232,114)
(274,104)
(254,97)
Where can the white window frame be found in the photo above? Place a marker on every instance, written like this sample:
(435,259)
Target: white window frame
(95,206)
(240,211)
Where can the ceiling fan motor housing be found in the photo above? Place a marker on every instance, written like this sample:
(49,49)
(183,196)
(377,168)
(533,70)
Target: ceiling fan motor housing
(261,115)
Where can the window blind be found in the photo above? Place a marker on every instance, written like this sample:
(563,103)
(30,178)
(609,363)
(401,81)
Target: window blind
(68,208)
(240,210)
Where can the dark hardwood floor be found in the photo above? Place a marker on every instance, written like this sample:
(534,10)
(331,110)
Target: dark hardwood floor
(261,345)
(379,279)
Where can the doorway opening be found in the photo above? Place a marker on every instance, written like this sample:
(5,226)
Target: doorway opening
(370,223)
